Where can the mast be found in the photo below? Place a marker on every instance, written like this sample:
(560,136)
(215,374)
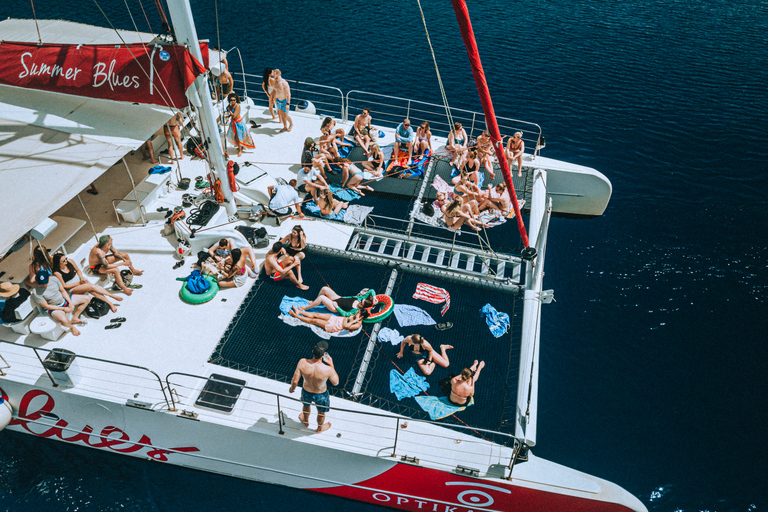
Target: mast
(468,35)
(186,34)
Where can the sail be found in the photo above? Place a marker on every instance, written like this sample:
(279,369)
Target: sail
(137,73)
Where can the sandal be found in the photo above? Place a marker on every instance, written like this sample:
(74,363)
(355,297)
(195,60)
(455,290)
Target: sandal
(135,286)
(113,326)
(118,319)
(444,326)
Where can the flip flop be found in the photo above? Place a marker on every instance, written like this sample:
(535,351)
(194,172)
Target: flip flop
(118,319)
(135,286)
(113,326)
(444,326)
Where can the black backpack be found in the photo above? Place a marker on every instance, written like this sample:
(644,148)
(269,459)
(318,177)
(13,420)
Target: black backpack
(96,308)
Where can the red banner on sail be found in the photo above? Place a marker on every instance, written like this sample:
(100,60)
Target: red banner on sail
(137,73)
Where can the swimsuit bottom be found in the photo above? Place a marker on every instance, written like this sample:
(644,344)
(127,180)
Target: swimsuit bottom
(321,400)
(282,105)
(277,276)
(62,305)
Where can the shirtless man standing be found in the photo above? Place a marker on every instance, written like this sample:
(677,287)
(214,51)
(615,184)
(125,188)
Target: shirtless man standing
(278,266)
(102,262)
(281,95)
(316,373)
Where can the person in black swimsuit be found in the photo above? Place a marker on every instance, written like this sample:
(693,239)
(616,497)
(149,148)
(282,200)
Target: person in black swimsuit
(66,271)
(427,357)
(333,301)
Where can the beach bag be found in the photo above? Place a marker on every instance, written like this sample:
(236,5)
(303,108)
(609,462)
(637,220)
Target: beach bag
(427,208)
(127,276)
(96,308)
(196,283)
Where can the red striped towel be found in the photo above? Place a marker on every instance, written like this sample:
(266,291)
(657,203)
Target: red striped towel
(434,295)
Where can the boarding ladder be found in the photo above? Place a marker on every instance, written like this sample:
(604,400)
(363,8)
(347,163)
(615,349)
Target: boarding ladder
(495,269)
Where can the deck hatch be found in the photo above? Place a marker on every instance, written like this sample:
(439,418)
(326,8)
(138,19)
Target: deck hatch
(220,393)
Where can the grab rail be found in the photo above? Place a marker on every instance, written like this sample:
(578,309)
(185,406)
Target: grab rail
(97,359)
(395,419)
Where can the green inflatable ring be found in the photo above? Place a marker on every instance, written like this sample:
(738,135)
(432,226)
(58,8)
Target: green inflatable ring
(199,298)
(388,306)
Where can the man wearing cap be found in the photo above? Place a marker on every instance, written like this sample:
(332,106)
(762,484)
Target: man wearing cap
(316,373)
(51,295)
(14,296)
(404,136)
(102,262)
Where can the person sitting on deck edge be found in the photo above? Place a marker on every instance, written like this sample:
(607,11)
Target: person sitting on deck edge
(102,262)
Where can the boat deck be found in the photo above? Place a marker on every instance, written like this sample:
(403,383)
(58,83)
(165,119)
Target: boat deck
(189,343)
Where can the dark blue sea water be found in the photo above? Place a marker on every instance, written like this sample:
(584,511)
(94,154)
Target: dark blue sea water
(653,358)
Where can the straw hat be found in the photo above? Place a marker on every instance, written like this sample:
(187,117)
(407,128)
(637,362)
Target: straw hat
(8,289)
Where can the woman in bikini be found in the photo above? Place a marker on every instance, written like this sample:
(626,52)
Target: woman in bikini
(220,250)
(234,270)
(457,145)
(331,323)
(457,213)
(422,350)
(485,152)
(238,134)
(351,176)
(423,140)
(295,242)
(329,204)
(326,144)
(66,271)
(515,150)
(463,385)
(464,186)
(376,164)
(268,84)
(496,197)
(333,301)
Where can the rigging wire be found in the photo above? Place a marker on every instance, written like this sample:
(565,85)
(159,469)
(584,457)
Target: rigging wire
(145,16)
(437,70)
(39,38)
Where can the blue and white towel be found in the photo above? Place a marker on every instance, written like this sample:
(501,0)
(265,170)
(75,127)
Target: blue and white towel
(285,306)
(288,302)
(392,336)
(404,386)
(343,194)
(408,315)
(440,407)
(497,322)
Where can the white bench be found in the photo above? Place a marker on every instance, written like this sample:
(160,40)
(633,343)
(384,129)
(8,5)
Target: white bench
(148,191)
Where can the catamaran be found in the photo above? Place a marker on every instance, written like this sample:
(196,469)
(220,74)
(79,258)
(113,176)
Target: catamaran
(205,386)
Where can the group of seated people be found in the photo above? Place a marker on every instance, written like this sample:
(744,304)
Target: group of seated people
(57,284)
(458,147)
(466,202)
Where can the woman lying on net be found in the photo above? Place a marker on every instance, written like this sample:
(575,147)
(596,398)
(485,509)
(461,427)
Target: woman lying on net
(425,354)
(331,323)
(329,204)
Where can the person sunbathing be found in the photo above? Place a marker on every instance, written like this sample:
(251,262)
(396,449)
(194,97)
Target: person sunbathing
(333,301)
(338,139)
(427,357)
(329,204)
(331,323)
(463,385)
(485,152)
(376,164)
(234,270)
(65,270)
(515,150)
(278,266)
(361,130)
(351,176)
(457,213)
(497,198)
(457,145)
(326,144)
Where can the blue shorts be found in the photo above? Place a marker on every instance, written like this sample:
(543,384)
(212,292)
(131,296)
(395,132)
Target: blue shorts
(321,400)
(62,305)
(282,105)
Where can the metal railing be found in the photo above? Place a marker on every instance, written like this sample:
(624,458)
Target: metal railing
(104,370)
(384,432)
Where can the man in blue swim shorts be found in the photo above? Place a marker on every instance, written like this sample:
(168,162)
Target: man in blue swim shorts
(281,95)
(316,373)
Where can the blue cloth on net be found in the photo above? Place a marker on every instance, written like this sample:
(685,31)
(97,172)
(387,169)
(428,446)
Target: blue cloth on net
(497,322)
(418,166)
(404,386)
(344,194)
(313,209)
(392,336)
(288,302)
(480,176)
(408,315)
(160,169)
(440,407)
